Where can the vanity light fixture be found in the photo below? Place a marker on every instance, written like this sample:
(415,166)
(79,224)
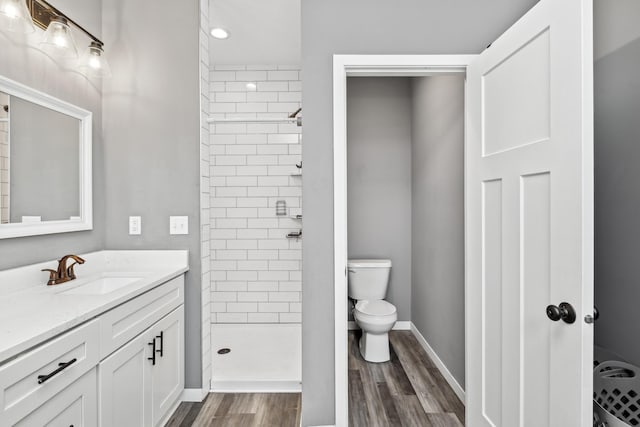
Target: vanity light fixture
(24,15)
(15,17)
(58,40)
(220,33)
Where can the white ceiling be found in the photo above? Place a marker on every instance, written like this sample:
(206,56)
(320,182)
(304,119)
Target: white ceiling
(263,32)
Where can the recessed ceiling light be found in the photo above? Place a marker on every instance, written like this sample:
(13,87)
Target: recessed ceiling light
(220,33)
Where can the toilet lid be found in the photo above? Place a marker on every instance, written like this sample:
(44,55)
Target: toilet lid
(376,308)
(369,263)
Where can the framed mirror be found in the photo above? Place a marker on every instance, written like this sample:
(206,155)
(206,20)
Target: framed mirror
(45,163)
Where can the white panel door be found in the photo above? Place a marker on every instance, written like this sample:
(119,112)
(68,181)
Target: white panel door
(529,221)
(167,376)
(124,381)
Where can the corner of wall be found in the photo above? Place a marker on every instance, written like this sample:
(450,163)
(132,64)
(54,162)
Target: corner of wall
(204,195)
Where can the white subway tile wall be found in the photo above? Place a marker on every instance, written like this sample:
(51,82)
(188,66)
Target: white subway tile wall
(205,194)
(4,160)
(255,269)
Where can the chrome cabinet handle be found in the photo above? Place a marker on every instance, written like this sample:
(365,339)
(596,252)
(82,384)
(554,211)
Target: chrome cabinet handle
(61,367)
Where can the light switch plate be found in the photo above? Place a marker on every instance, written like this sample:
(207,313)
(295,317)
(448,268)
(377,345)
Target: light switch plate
(135,225)
(178,225)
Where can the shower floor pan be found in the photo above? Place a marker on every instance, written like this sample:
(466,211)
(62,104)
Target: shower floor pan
(256,358)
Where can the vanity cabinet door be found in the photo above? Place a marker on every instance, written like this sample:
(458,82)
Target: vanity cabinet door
(125,385)
(168,372)
(75,406)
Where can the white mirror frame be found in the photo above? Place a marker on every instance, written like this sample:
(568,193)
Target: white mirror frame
(85,179)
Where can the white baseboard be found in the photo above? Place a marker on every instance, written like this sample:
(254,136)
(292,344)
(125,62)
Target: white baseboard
(457,389)
(256,387)
(193,394)
(402,326)
(399,326)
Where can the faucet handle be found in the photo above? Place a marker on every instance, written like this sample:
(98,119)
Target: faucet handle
(53,275)
(76,260)
(70,273)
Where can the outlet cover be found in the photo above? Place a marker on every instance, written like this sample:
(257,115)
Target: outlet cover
(178,225)
(135,225)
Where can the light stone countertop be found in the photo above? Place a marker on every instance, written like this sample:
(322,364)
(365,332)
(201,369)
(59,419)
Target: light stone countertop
(32,312)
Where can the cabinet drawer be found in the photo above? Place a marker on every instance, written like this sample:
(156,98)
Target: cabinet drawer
(123,323)
(36,376)
(76,405)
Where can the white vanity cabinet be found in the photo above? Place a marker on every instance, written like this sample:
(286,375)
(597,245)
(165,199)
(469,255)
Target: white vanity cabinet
(124,367)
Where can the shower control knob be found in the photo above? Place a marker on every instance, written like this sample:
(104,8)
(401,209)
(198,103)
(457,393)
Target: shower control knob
(564,311)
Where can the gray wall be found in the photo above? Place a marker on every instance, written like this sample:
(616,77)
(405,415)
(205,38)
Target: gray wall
(438,217)
(23,62)
(617,200)
(151,133)
(361,26)
(86,13)
(379,178)
(45,162)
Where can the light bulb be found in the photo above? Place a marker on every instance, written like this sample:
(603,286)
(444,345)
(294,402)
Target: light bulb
(11,11)
(94,63)
(58,41)
(15,17)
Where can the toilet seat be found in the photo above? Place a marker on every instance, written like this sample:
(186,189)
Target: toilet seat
(375,308)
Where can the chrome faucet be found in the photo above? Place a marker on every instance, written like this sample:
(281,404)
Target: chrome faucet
(63,273)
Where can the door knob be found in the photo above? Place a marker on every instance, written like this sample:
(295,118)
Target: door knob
(564,311)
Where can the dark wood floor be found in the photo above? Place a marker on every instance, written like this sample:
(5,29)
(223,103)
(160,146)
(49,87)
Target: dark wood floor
(240,410)
(406,391)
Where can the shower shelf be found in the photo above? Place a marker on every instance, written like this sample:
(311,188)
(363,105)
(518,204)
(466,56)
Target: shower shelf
(296,174)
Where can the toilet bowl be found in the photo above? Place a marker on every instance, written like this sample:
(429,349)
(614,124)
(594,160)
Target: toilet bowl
(375,318)
(368,282)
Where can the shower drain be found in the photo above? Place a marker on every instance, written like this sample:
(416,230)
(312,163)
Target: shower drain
(224,351)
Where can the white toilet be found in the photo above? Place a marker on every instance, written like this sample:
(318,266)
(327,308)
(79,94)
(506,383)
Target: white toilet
(368,282)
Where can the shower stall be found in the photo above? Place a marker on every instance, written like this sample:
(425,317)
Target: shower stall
(255,227)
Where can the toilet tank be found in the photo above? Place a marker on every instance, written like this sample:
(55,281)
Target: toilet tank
(368,278)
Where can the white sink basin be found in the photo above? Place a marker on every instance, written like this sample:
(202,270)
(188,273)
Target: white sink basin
(103,285)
